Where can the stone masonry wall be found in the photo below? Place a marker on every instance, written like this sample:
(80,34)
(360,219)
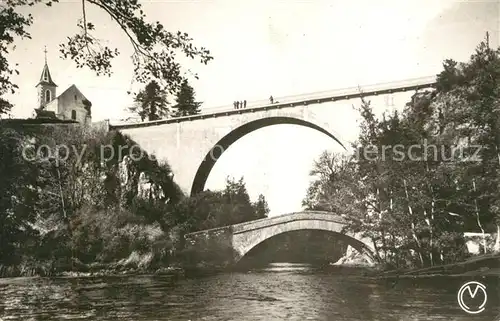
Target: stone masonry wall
(211,247)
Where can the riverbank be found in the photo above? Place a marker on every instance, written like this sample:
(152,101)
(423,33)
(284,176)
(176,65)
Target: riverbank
(480,265)
(135,264)
(477,265)
(86,271)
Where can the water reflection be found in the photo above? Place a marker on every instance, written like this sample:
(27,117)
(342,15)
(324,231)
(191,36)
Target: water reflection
(276,292)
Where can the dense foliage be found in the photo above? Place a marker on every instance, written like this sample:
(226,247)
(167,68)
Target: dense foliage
(98,202)
(416,203)
(151,103)
(210,209)
(185,101)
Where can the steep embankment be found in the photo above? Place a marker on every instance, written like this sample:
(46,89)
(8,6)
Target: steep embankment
(481,265)
(82,200)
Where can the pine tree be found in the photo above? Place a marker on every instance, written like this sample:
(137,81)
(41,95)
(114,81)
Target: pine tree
(261,207)
(185,101)
(151,102)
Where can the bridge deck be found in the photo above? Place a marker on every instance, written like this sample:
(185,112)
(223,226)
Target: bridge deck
(275,220)
(301,100)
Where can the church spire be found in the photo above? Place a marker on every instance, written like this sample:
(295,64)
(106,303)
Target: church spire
(45,78)
(46,87)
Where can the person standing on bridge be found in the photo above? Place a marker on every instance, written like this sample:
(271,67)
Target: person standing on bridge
(271,99)
(234,104)
(244,103)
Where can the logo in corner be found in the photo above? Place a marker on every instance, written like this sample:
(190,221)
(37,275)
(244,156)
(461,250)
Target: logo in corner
(472,288)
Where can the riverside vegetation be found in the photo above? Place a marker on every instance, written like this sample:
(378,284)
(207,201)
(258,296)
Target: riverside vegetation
(125,213)
(415,209)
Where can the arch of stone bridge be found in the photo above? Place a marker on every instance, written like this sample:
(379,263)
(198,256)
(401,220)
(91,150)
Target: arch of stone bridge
(250,237)
(223,144)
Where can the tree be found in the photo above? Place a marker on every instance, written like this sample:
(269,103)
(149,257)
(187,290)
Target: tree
(471,103)
(12,24)
(16,195)
(185,101)
(261,207)
(415,208)
(236,195)
(61,197)
(401,203)
(151,102)
(210,209)
(155,49)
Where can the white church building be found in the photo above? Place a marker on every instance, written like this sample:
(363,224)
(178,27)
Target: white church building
(71,104)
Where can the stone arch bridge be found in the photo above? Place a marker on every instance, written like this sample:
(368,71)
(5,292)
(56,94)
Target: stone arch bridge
(241,238)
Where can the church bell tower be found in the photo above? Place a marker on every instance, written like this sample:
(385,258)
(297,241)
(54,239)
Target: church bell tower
(46,87)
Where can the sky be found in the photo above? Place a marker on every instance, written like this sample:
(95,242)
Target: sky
(263,48)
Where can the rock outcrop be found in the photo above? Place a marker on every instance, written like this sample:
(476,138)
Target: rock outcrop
(353,258)
(134,182)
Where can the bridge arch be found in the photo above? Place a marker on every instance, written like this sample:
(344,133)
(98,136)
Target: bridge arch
(247,236)
(223,144)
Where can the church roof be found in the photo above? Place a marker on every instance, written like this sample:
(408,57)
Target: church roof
(72,87)
(45,78)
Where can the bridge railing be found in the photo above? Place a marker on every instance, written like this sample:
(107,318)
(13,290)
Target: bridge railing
(307,215)
(289,101)
(422,81)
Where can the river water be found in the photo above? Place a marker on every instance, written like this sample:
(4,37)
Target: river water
(277,292)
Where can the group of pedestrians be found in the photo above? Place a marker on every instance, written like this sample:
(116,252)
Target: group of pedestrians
(240,104)
(243,104)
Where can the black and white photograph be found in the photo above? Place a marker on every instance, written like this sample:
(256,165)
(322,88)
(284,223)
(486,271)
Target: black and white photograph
(250,160)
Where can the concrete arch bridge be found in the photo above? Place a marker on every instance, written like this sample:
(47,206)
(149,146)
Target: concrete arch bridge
(192,144)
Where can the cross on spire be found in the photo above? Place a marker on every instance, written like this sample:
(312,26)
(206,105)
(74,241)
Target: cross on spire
(45,77)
